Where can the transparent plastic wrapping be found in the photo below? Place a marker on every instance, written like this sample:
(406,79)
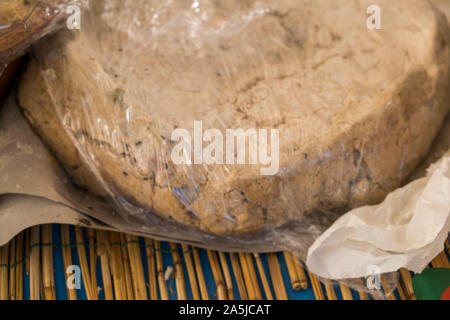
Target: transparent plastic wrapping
(24,22)
(144,103)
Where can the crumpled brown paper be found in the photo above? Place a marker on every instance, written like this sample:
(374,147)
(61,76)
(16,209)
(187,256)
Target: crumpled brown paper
(33,188)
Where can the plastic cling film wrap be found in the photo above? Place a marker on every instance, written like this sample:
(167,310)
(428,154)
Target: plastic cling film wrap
(246,121)
(24,22)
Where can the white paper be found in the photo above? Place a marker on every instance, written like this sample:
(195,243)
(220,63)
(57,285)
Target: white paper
(407,230)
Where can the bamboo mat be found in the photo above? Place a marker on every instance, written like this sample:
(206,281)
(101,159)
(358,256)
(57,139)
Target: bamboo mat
(120,266)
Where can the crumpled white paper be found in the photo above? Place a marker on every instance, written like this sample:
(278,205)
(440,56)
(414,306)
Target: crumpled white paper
(407,230)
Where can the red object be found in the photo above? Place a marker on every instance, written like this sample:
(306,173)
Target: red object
(446,294)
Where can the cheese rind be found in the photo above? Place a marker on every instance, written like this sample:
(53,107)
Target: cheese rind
(356,109)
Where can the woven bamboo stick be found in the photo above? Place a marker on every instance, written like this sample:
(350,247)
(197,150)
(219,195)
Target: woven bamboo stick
(12,270)
(67,258)
(41,277)
(253,276)
(102,252)
(137,269)
(407,284)
(361,292)
(300,273)
(27,244)
(329,290)
(19,266)
(446,260)
(315,284)
(151,266)
(363,295)
(346,292)
(251,291)
(35,264)
(436,262)
(262,274)
(377,294)
(4,264)
(91,292)
(441,261)
(126,267)
(179,273)
(191,271)
(227,275)
(217,275)
(401,291)
(389,294)
(48,280)
(200,275)
(277,277)
(160,271)
(92,258)
(296,282)
(117,267)
(238,276)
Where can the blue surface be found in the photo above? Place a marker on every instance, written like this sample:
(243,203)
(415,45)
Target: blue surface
(61,292)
